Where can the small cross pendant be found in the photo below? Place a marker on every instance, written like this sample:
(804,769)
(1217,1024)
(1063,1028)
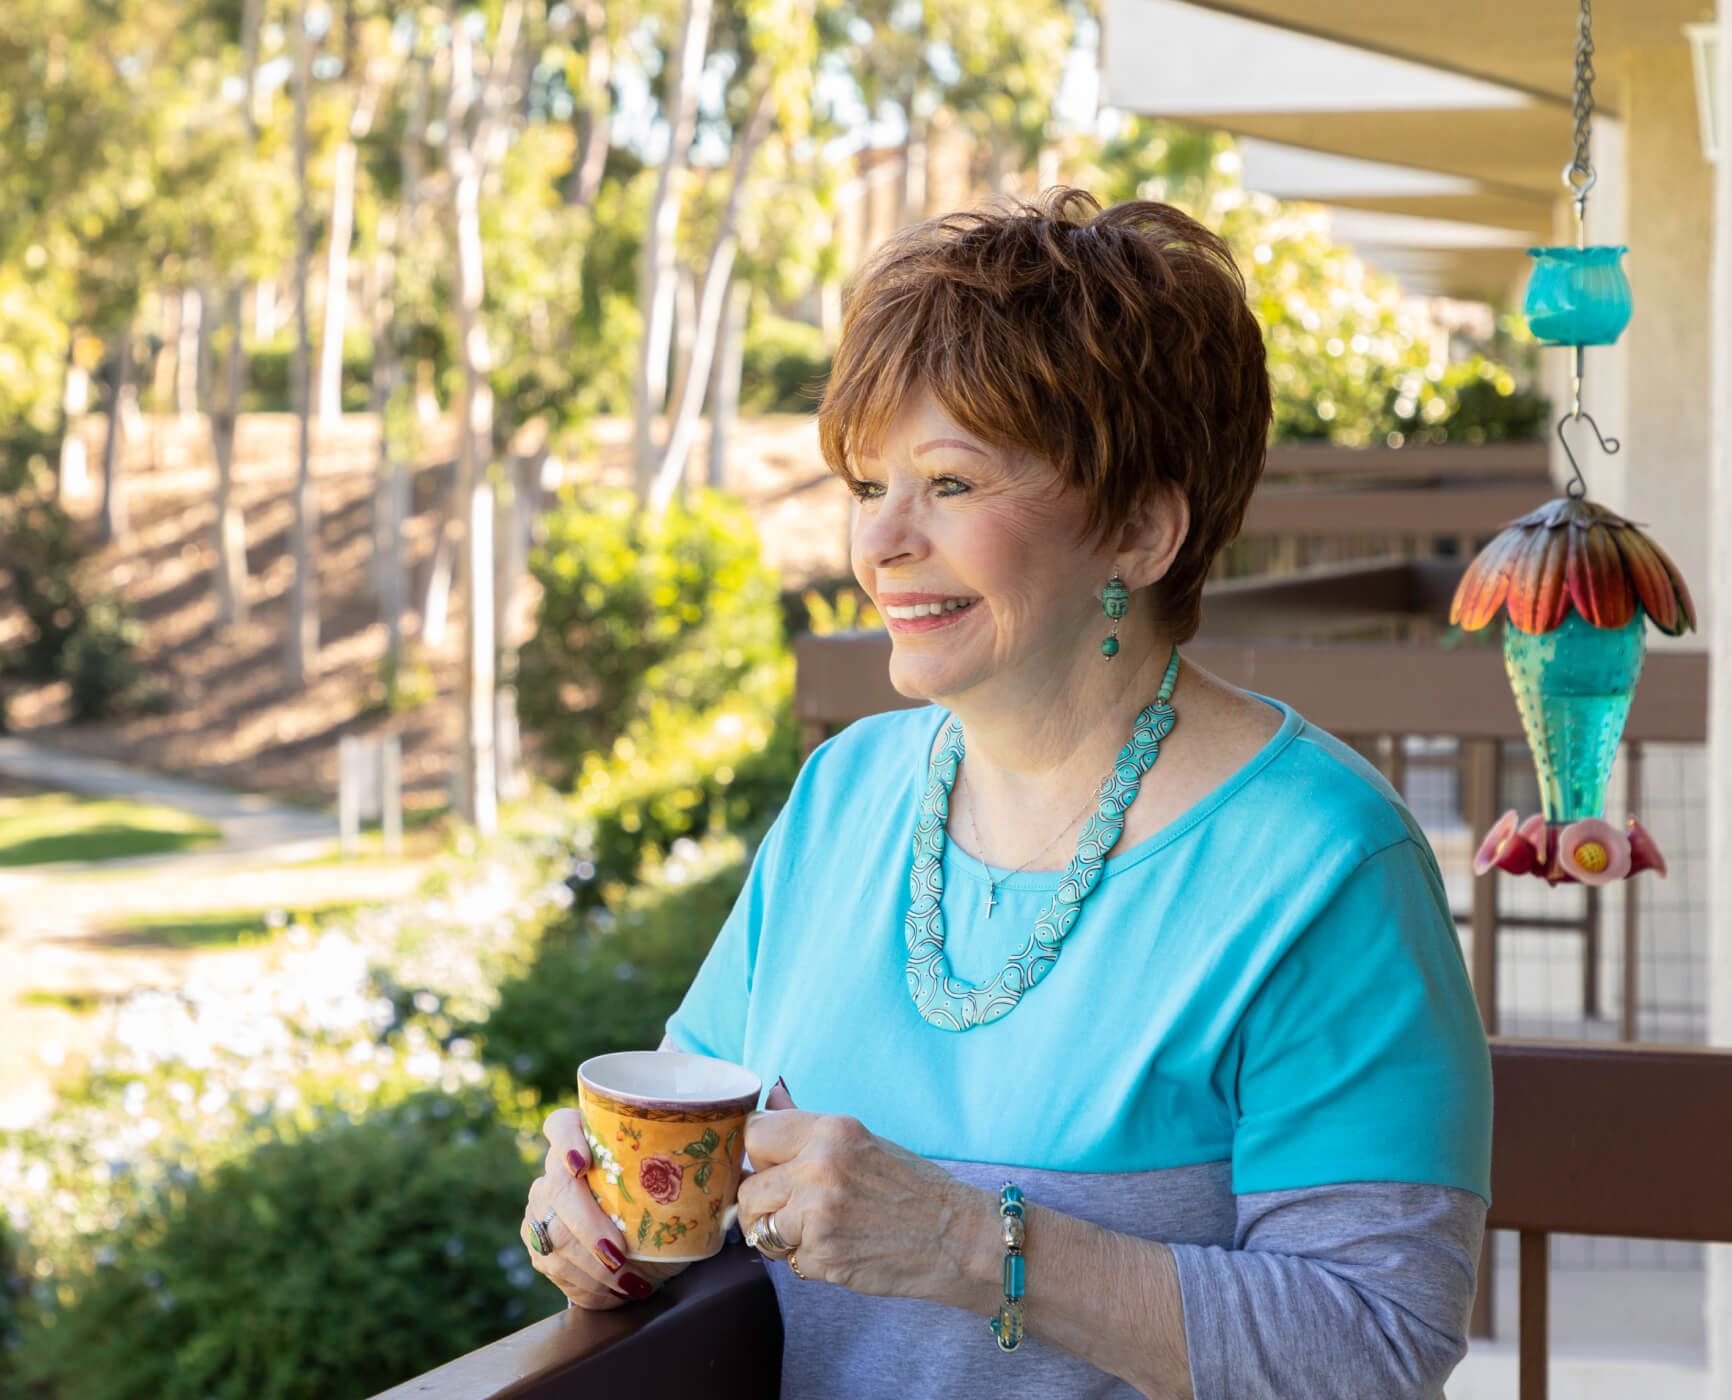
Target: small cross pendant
(991,899)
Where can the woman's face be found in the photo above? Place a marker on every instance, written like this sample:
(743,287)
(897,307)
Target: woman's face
(993,541)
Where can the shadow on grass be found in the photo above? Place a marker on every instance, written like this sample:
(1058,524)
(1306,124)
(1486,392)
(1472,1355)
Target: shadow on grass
(234,928)
(51,827)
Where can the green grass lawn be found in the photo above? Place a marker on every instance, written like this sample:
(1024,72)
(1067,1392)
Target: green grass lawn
(38,828)
(229,928)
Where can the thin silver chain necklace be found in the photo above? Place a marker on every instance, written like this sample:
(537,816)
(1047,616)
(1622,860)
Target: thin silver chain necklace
(979,845)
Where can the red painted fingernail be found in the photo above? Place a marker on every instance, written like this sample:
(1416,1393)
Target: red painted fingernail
(574,1160)
(609,1254)
(634,1286)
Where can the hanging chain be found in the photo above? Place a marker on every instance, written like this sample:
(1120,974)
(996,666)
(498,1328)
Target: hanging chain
(1579,174)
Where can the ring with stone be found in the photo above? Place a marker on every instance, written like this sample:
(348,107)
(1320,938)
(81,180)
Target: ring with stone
(540,1240)
(766,1238)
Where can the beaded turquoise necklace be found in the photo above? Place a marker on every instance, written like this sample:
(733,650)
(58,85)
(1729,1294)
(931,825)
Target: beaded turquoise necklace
(945,1001)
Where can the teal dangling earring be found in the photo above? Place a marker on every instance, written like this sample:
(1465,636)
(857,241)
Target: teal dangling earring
(1115,600)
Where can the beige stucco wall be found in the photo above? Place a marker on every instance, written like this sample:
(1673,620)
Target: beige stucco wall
(1717,520)
(1669,196)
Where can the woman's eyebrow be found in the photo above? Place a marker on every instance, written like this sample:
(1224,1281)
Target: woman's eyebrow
(946,442)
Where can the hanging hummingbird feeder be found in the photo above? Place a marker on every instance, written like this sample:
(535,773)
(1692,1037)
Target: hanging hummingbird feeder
(1577,584)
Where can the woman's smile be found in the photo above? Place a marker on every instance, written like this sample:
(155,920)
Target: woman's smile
(923,612)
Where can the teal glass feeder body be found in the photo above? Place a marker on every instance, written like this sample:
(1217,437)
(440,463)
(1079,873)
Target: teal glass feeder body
(1577,296)
(1573,687)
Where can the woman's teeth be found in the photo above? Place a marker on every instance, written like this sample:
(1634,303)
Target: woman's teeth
(949,605)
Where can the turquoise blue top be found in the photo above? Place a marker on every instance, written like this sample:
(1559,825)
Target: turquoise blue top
(1273,979)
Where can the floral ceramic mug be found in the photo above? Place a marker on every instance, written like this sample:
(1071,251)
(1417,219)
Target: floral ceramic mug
(665,1133)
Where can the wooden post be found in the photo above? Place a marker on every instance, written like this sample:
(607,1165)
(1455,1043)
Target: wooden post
(348,794)
(1480,785)
(391,798)
(1535,1325)
(1627,1027)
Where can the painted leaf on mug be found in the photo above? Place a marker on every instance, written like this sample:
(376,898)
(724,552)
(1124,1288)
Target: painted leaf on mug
(733,1137)
(703,1146)
(643,1228)
(702,1175)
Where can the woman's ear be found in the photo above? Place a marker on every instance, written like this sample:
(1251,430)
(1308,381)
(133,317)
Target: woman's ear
(1149,544)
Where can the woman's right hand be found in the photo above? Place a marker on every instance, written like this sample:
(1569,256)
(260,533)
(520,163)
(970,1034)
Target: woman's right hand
(588,1261)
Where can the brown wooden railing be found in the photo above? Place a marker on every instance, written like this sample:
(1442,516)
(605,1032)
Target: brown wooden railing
(1587,1139)
(1370,695)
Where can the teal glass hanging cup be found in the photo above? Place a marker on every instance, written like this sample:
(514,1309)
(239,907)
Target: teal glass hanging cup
(1577,296)
(1573,687)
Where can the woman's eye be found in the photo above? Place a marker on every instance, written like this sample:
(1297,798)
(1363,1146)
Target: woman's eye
(865,490)
(949,485)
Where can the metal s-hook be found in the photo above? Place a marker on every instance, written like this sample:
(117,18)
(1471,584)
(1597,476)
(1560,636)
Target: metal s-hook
(1579,488)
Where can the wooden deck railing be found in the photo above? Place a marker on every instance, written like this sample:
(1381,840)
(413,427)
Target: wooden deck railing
(1587,1139)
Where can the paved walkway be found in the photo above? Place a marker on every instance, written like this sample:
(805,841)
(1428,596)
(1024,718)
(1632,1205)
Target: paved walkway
(58,922)
(248,823)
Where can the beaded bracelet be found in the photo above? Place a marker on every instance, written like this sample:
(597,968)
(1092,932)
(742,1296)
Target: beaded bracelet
(1007,1326)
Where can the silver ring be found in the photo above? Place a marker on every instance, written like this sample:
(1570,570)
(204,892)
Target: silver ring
(542,1241)
(765,1237)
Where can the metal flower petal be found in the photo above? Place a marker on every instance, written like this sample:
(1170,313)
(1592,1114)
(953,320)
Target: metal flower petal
(1599,586)
(1572,553)
(1664,594)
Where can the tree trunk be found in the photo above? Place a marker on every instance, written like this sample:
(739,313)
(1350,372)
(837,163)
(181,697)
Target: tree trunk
(390,393)
(468,155)
(73,476)
(337,261)
(265,311)
(186,353)
(725,383)
(301,639)
(914,162)
(165,366)
(112,524)
(867,202)
(685,330)
(228,529)
(670,471)
(656,270)
(337,289)
(593,120)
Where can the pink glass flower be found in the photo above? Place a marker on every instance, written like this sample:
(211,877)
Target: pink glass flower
(1593,852)
(1506,848)
(1644,853)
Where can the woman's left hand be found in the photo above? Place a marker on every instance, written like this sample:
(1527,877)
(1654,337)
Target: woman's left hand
(864,1213)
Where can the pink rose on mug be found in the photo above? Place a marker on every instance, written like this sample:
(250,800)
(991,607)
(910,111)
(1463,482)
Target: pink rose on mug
(660,1176)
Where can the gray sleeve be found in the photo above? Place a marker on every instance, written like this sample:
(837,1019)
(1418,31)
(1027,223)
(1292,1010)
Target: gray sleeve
(1352,1291)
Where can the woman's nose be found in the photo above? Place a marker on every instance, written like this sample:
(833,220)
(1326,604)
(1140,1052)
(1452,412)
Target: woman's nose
(885,532)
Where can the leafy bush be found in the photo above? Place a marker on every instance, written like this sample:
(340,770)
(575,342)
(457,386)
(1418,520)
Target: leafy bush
(270,371)
(99,661)
(783,367)
(677,776)
(14,1304)
(328,1264)
(642,616)
(1475,400)
(89,640)
(610,983)
(39,560)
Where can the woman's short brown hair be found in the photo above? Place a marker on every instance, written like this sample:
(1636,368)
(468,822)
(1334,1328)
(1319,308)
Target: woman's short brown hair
(1115,343)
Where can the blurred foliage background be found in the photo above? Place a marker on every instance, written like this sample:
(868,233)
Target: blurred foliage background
(535,219)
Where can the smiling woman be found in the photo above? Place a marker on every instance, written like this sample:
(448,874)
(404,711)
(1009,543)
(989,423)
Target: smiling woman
(1185,1096)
